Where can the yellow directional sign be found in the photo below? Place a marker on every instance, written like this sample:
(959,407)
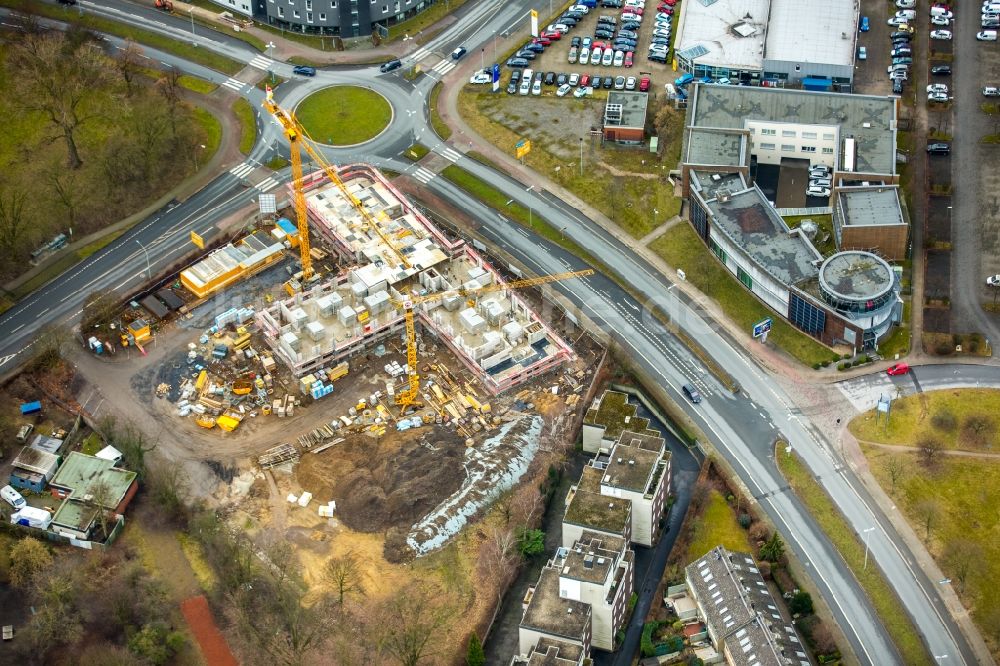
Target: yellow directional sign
(197,240)
(522,148)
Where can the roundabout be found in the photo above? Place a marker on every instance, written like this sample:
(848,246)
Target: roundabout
(344,115)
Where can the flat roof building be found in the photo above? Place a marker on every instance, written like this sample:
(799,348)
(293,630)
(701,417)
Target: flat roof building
(80,482)
(625,117)
(231,263)
(871,218)
(547,614)
(551,652)
(722,37)
(32,469)
(607,418)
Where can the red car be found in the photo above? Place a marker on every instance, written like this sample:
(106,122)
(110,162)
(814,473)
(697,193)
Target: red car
(669,3)
(665,9)
(544,41)
(598,45)
(628,58)
(898,369)
(551,34)
(644,84)
(584,80)
(635,10)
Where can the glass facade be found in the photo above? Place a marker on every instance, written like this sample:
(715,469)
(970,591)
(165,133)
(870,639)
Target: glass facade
(699,218)
(744,278)
(719,252)
(805,315)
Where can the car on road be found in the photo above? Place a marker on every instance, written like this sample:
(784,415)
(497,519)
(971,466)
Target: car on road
(304,70)
(941,70)
(692,393)
(993,281)
(991,91)
(939,148)
(864,24)
(937,88)
(389,66)
(898,369)
(818,192)
(938,97)
(459,52)
(941,35)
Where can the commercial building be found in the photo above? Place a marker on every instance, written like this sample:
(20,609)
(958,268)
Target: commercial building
(625,117)
(232,263)
(742,619)
(871,218)
(770,42)
(346,18)
(86,485)
(495,334)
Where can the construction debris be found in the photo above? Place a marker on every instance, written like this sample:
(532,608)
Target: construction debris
(278,455)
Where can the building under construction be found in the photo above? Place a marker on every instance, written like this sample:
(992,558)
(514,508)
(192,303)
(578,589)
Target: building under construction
(455,294)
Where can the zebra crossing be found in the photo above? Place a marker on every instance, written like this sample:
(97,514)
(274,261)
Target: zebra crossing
(233,84)
(268,184)
(423,175)
(261,62)
(444,66)
(242,170)
(450,154)
(420,54)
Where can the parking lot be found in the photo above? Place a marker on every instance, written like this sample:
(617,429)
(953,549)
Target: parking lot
(555,56)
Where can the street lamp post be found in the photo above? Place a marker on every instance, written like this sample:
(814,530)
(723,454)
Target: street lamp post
(270,55)
(149,272)
(482,59)
(581,157)
(191,14)
(867,534)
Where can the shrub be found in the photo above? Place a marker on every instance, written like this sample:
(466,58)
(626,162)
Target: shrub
(817,366)
(758,532)
(944,421)
(843,366)
(826,363)
(801,603)
(862,359)
(978,430)
(646,642)
(744,520)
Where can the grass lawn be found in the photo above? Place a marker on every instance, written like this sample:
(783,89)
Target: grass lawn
(614,179)
(681,248)
(213,132)
(92,444)
(825,241)
(156,40)
(270,80)
(959,419)
(194,84)
(437,123)
(965,529)
(898,341)
(887,605)
(416,152)
(248,124)
(344,115)
(423,20)
(717,526)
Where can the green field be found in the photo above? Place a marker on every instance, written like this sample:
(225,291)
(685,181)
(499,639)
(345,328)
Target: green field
(958,419)
(194,84)
(248,124)
(681,248)
(416,152)
(887,605)
(717,526)
(440,127)
(962,494)
(344,115)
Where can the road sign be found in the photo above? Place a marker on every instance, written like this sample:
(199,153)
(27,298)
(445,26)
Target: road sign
(496,77)
(522,148)
(762,327)
(197,240)
(534,23)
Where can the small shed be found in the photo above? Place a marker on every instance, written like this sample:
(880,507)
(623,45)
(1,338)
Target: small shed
(154,307)
(139,329)
(172,300)
(109,453)
(32,469)
(28,408)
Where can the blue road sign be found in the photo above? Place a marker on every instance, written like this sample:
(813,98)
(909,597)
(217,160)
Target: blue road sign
(761,327)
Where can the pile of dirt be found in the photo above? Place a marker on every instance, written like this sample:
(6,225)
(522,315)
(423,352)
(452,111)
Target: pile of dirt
(392,483)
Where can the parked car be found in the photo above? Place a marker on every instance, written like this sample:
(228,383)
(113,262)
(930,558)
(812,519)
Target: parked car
(12,497)
(818,192)
(608,57)
(993,281)
(525,54)
(619,59)
(563,89)
(304,70)
(901,34)
(683,80)
(629,58)
(584,55)
(864,24)
(534,48)
(536,87)
(991,91)
(900,52)
(898,369)
(596,55)
(550,78)
(897,21)
(941,21)
(480,78)
(938,88)
(938,97)
(584,80)
(573,54)
(939,148)
(943,35)
(583,91)
(897,86)
(941,70)
(906,4)
(608,83)
(987,35)
(862,53)
(512,87)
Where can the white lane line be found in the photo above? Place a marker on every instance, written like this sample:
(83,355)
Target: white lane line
(241,170)
(267,185)
(234,84)
(17,329)
(260,62)
(451,154)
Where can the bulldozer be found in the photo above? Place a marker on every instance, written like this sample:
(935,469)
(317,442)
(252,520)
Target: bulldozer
(164,5)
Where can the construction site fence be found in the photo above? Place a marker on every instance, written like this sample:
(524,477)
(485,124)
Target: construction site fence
(64,539)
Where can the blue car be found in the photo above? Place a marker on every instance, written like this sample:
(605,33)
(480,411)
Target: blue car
(864,24)
(684,80)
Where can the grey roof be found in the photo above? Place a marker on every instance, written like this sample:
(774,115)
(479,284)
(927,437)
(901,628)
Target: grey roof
(751,223)
(553,652)
(630,468)
(711,183)
(856,275)
(730,33)
(869,119)
(829,39)
(549,613)
(715,147)
(740,611)
(633,109)
(870,206)
(36,460)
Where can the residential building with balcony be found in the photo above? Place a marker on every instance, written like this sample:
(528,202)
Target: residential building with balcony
(587,510)
(607,417)
(551,652)
(638,470)
(548,615)
(346,18)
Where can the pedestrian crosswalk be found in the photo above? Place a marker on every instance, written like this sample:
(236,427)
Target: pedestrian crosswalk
(420,54)
(268,184)
(444,66)
(233,84)
(242,170)
(261,62)
(423,175)
(450,154)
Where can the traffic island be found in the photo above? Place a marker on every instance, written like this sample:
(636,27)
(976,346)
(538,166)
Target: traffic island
(344,115)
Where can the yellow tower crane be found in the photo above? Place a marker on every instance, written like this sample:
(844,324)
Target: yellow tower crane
(408,397)
(299,139)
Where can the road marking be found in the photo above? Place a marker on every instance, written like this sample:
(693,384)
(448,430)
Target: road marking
(451,154)
(423,175)
(6,359)
(234,84)
(444,66)
(268,184)
(242,170)
(15,331)
(420,54)
(260,62)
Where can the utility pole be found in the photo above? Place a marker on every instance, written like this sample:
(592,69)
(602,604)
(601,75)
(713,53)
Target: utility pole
(581,157)
(191,14)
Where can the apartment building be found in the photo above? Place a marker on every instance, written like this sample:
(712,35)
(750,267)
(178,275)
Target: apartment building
(549,615)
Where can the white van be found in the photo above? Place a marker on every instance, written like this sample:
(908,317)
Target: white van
(987,35)
(12,497)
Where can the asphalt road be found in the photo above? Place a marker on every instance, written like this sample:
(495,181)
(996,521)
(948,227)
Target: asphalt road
(742,427)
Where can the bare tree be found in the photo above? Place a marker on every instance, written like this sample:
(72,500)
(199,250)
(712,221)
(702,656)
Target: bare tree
(505,505)
(409,622)
(99,308)
(928,510)
(13,222)
(169,87)
(963,557)
(168,486)
(28,557)
(64,185)
(99,497)
(527,505)
(498,559)
(55,79)
(345,575)
(127,64)
(929,449)
(894,467)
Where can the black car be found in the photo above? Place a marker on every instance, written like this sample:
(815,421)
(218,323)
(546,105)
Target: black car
(941,70)
(537,48)
(458,53)
(897,86)
(515,76)
(603,34)
(624,45)
(512,87)
(550,78)
(527,55)
(607,20)
(304,70)
(575,41)
(576,16)
(939,148)
(656,57)
(631,25)
(612,4)
(517,62)
(389,66)
(692,393)
(608,83)
(660,40)
(568,20)
(901,33)
(628,34)
(561,79)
